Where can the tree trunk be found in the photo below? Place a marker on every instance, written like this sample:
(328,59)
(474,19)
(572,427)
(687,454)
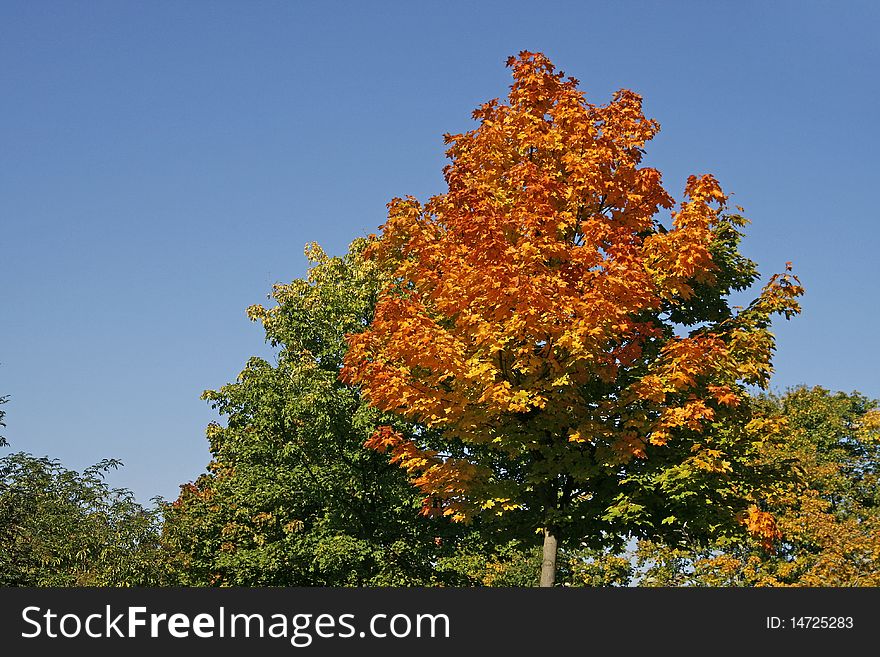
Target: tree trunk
(548,565)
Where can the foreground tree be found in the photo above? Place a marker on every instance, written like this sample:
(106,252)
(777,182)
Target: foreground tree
(534,315)
(291,497)
(59,527)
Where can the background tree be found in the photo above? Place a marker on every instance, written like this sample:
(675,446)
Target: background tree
(535,315)
(828,517)
(59,527)
(831,524)
(291,497)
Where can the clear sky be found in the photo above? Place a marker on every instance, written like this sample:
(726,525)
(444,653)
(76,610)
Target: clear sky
(163,163)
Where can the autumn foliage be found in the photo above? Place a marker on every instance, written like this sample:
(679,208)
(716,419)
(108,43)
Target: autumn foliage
(537,312)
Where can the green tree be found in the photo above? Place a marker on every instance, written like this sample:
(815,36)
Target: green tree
(291,496)
(59,527)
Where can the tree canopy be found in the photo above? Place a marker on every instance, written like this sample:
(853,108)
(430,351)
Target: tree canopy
(581,359)
(59,527)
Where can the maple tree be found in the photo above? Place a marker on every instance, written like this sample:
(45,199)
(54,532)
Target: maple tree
(581,359)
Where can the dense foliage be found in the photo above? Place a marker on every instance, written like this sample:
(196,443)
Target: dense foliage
(828,515)
(59,527)
(534,314)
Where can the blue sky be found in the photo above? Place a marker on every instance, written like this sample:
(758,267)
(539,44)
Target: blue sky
(163,163)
